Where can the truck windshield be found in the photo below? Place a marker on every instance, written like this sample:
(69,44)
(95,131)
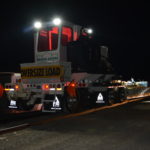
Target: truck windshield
(48,39)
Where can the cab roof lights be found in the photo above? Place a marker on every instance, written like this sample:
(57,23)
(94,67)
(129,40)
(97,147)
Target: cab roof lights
(89,31)
(37,25)
(57,21)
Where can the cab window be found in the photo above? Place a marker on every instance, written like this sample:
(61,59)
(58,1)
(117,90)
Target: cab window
(43,41)
(67,35)
(48,39)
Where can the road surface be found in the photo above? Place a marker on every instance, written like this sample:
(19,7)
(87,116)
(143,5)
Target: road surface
(125,127)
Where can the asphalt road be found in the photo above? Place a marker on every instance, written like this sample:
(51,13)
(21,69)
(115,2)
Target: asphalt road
(126,127)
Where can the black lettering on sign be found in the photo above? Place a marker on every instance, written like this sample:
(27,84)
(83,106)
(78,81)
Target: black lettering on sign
(53,71)
(48,71)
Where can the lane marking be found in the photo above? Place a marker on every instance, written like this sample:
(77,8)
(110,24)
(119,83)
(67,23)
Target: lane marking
(14,128)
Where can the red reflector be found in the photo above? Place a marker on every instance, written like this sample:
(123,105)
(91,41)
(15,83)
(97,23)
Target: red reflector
(67,84)
(58,86)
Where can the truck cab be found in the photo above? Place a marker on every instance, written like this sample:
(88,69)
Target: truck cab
(67,42)
(51,41)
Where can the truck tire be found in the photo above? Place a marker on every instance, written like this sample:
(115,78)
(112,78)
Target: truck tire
(111,101)
(122,95)
(72,104)
(4,103)
(111,98)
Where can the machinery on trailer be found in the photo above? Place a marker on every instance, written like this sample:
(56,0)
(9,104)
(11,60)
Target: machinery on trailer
(70,72)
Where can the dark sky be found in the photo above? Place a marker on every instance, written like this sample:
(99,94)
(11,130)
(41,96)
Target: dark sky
(123,26)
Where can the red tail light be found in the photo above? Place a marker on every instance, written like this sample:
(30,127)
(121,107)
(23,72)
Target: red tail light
(50,85)
(67,84)
(45,87)
(16,87)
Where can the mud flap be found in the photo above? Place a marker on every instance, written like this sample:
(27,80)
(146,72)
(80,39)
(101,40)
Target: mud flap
(99,98)
(52,103)
(13,104)
(56,104)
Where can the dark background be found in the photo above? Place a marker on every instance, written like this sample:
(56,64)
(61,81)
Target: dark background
(121,25)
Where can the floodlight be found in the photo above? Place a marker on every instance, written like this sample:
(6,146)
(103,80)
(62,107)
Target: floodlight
(57,21)
(38,25)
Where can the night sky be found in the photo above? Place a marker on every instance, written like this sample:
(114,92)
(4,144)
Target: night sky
(122,26)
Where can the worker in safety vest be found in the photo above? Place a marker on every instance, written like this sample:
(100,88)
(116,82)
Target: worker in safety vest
(71,89)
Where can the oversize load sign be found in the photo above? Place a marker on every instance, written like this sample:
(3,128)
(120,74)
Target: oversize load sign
(41,72)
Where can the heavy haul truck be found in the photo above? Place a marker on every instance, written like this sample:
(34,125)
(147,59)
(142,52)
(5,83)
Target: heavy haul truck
(70,72)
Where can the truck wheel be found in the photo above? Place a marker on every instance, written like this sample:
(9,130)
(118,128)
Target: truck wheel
(122,99)
(111,98)
(111,102)
(72,99)
(122,95)
(72,104)
(4,103)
